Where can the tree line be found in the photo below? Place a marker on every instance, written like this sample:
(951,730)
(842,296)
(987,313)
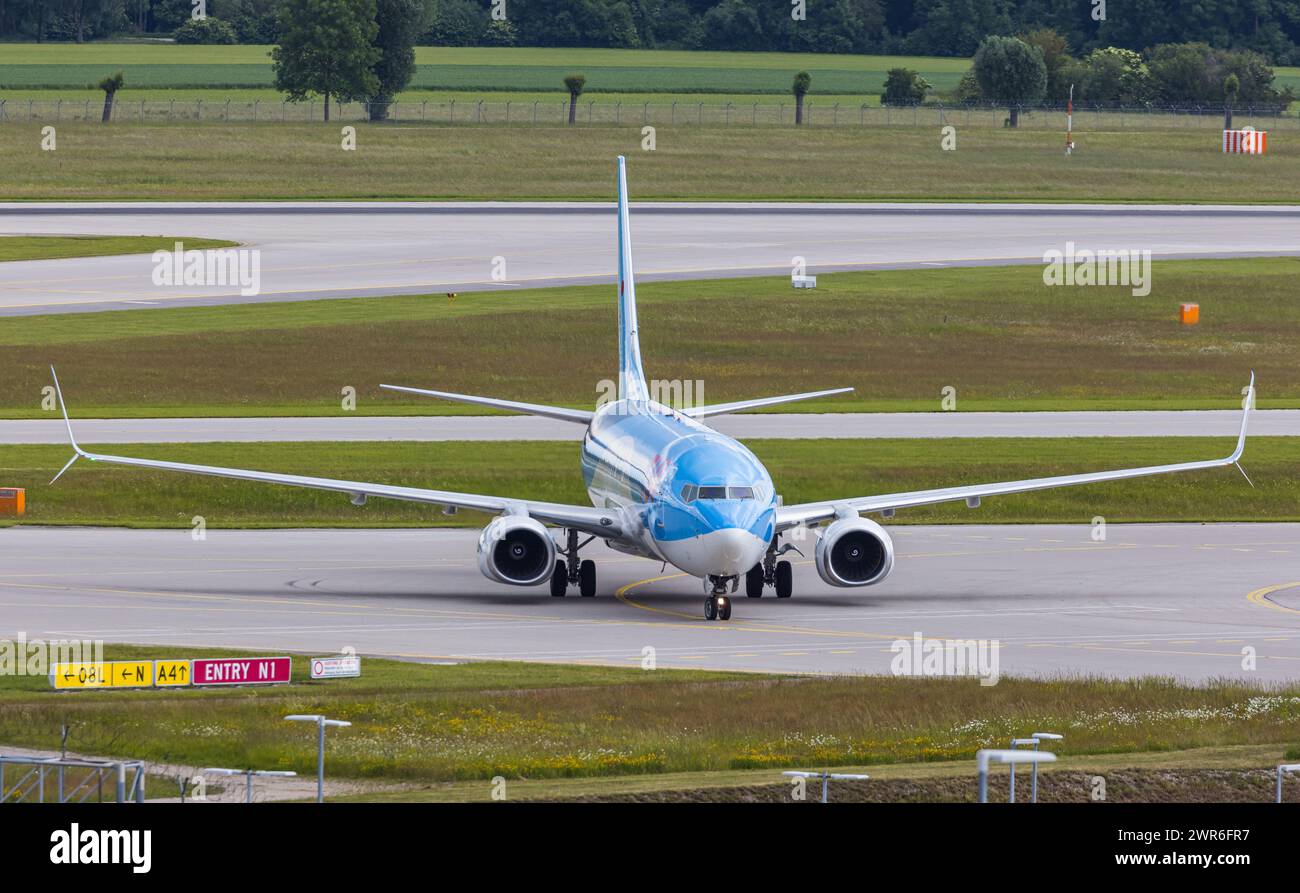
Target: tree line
(1038,67)
(1270,28)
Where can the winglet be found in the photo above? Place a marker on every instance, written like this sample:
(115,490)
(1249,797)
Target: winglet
(1247,405)
(77,451)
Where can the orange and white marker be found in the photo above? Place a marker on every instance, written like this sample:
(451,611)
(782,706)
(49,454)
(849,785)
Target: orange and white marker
(1069,123)
(1247,141)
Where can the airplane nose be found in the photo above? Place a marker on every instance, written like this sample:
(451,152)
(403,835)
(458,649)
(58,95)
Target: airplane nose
(739,550)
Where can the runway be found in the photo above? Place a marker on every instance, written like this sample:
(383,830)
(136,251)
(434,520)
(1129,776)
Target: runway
(1190,601)
(322,250)
(1192,423)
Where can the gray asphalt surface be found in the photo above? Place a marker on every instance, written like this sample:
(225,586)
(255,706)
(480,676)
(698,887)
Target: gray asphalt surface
(1207,423)
(1182,600)
(350,249)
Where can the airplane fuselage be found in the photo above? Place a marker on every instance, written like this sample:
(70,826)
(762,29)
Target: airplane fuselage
(699,500)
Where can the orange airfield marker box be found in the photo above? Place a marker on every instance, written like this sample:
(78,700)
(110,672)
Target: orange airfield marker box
(13,501)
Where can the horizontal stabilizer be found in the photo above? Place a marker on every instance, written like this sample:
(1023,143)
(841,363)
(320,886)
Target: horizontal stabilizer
(702,412)
(581,416)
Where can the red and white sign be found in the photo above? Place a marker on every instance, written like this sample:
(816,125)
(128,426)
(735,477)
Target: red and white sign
(242,671)
(1245,142)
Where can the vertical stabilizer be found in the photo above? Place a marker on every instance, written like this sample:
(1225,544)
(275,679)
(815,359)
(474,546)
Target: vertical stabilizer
(631,378)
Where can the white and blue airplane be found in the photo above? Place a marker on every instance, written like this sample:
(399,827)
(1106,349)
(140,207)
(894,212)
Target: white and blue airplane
(665,486)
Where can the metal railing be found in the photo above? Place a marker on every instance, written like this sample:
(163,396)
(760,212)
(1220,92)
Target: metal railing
(65,780)
(614,112)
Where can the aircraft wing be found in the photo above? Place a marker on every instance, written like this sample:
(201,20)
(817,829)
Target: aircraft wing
(581,416)
(604,523)
(805,513)
(703,412)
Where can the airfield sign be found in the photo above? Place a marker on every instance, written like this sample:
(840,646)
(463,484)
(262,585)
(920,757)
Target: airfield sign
(106,674)
(335,667)
(241,671)
(176,673)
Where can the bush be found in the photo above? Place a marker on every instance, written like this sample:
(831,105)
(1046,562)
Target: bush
(207,30)
(904,87)
(968,88)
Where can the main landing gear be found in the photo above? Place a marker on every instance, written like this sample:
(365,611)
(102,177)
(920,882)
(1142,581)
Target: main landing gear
(717,606)
(571,571)
(777,574)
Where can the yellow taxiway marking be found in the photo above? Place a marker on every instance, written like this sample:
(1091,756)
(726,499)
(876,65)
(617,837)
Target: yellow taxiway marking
(1261,596)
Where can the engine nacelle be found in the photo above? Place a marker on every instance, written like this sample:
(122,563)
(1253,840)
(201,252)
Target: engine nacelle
(854,552)
(516,549)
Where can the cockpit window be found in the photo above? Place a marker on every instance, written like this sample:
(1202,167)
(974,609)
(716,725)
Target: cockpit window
(690,493)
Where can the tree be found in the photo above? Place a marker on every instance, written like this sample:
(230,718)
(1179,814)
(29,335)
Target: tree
(110,85)
(1112,74)
(1185,72)
(400,23)
(734,25)
(802,84)
(904,87)
(1231,87)
(574,84)
(1056,54)
(968,88)
(1010,72)
(326,48)
(209,30)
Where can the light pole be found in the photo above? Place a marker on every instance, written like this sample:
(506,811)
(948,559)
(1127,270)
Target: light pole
(984,757)
(321,723)
(1042,736)
(826,779)
(1018,742)
(1284,769)
(248,797)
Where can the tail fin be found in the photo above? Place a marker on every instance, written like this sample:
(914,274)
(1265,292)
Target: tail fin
(631,378)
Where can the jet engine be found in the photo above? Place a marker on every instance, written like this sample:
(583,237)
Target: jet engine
(854,552)
(516,549)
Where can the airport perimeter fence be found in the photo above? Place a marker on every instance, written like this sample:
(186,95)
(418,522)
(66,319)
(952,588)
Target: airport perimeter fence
(677,113)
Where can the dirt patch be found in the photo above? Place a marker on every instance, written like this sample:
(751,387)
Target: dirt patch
(1120,786)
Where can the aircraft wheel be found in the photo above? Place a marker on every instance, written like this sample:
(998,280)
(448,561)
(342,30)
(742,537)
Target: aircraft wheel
(754,582)
(587,578)
(710,608)
(784,579)
(724,609)
(559,580)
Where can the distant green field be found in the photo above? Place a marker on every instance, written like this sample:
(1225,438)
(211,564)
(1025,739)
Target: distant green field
(28,67)
(64,66)
(160,161)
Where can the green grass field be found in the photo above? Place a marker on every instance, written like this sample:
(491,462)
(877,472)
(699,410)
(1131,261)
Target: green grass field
(413,161)
(47,247)
(489,69)
(997,335)
(422,723)
(804,470)
(31,66)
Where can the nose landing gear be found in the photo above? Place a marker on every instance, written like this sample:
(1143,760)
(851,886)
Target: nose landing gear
(718,606)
